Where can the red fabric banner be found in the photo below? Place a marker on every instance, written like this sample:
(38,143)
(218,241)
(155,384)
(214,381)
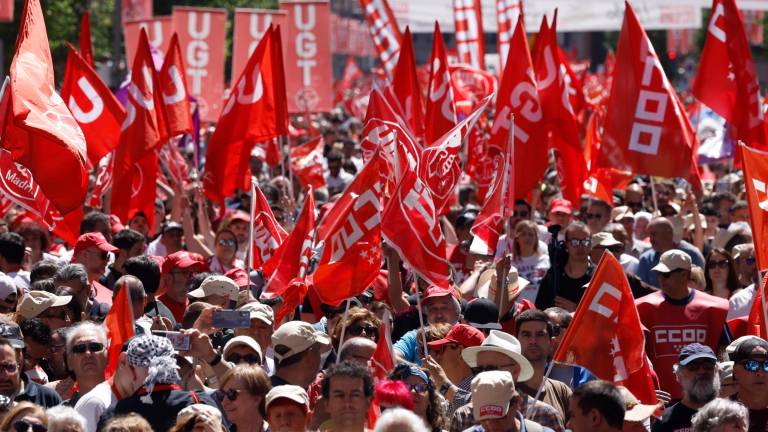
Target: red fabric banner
(6,10)
(202,37)
(307,163)
(755,179)
(307,50)
(174,87)
(404,95)
(470,42)
(159,29)
(86,46)
(119,325)
(441,109)
(384,31)
(250,25)
(507,13)
(268,235)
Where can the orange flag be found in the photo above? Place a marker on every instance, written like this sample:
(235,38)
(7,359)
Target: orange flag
(119,325)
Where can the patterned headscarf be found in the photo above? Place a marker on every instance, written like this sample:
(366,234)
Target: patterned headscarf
(156,354)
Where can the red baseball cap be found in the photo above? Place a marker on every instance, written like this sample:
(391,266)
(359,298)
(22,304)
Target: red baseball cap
(116,223)
(93,239)
(183,260)
(434,291)
(239,215)
(239,276)
(462,334)
(561,205)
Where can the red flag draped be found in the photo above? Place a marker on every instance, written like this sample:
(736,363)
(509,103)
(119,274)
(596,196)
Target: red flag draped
(255,111)
(307,163)
(352,253)
(268,235)
(441,110)
(605,335)
(174,86)
(726,80)
(94,106)
(40,132)
(86,46)
(646,131)
(405,94)
(119,325)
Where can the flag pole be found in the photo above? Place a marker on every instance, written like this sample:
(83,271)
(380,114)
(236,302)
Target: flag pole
(653,196)
(249,256)
(343,329)
(541,386)
(421,319)
(762,304)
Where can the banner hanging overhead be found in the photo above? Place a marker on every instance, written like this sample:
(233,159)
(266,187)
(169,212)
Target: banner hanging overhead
(159,29)
(307,50)
(202,38)
(250,25)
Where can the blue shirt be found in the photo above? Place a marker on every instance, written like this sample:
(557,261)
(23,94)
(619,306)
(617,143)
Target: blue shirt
(408,347)
(650,258)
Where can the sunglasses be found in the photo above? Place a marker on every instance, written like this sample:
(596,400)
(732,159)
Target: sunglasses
(358,330)
(754,365)
(9,367)
(24,426)
(669,274)
(719,264)
(419,388)
(227,242)
(248,358)
(230,394)
(582,243)
(92,347)
(480,369)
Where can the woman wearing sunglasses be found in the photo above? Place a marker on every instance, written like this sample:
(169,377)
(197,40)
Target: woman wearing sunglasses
(25,417)
(224,252)
(242,396)
(360,322)
(720,274)
(427,402)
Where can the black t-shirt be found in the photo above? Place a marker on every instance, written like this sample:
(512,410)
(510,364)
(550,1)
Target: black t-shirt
(758,420)
(676,418)
(569,289)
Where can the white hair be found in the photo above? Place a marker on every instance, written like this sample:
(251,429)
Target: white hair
(60,418)
(719,412)
(400,420)
(85,327)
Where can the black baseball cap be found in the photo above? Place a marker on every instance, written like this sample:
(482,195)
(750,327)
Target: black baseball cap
(12,332)
(695,351)
(482,313)
(744,350)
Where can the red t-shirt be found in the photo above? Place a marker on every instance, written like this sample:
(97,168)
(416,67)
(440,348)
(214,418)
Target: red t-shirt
(103,294)
(177,309)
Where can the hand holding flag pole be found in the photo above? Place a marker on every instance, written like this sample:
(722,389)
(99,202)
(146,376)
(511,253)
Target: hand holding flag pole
(249,255)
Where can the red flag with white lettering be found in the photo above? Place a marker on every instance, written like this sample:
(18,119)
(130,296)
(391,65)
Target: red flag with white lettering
(507,14)
(103,181)
(470,39)
(86,47)
(174,87)
(756,318)
(645,130)
(352,253)
(405,94)
(39,130)
(249,27)
(755,180)
(268,235)
(255,111)
(726,80)
(384,31)
(159,30)
(93,105)
(518,95)
(307,163)
(441,111)
(605,335)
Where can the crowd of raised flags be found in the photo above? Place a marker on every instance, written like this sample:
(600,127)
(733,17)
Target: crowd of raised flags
(446,250)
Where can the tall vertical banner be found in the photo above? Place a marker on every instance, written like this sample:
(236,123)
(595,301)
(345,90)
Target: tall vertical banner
(250,25)
(202,38)
(307,50)
(6,10)
(134,10)
(507,13)
(384,31)
(159,29)
(469,32)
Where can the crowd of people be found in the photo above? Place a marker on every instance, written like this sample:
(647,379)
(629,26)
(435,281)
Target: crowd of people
(489,340)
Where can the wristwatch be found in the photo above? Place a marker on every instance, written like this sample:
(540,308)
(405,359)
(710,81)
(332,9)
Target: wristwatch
(445,388)
(216,360)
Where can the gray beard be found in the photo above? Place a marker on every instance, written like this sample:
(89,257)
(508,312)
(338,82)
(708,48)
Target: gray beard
(702,390)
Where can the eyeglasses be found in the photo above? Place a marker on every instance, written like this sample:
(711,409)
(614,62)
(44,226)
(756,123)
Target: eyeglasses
(721,264)
(9,367)
(358,330)
(227,242)
(419,388)
(24,426)
(591,216)
(230,394)
(754,365)
(92,347)
(480,369)
(582,243)
(248,358)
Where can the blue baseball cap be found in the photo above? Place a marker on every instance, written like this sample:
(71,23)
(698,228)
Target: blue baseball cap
(695,351)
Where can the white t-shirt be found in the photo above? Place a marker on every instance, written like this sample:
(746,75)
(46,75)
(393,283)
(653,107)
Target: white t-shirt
(740,304)
(532,269)
(95,403)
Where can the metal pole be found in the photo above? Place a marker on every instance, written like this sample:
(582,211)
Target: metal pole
(343,329)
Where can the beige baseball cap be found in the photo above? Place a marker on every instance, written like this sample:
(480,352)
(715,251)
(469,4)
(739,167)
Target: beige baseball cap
(491,393)
(194,410)
(242,341)
(216,285)
(604,239)
(260,312)
(672,260)
(36,302)
(288,391)
(635,411)
(298,336)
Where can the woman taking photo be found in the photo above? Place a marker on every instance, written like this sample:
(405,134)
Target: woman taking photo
(530,263)
(720,274)
(242,396)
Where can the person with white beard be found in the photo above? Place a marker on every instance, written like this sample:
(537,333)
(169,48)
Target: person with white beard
(697,372)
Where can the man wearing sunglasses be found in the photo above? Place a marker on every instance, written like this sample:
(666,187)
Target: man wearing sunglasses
(745,265)
(13,382)
(92,251)
(598,215)
(242,350)
(750,370)
(567,290)
(678,315)
(86,357)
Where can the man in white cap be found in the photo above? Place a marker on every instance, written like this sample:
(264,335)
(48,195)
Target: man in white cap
(216,290)
(261,329)
(676,316)
(497,405)
(287,408)
(298,353)
(661,234)
(46,306)
(502,352)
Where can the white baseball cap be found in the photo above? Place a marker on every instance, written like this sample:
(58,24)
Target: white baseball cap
(491,393)
(672,260)
(36,302)
(298,336)
(504,343)
(216,285)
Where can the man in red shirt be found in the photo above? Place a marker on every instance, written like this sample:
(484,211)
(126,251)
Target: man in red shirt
(177,270)
(677,316)
(92,251)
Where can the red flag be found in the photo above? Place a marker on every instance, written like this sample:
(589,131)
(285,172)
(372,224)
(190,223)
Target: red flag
(39,130)
(554,86)
(518,95)
(755,180)
(103,181)
(255,111)
(119,325)
(174,87)
(471,85)
(756,318)
(441,111)
(405,94)
(439,163)
(268,235)
(86,47)
(470,42)
(352,254)
(645,130)
(726,80)
(94,106)
(136,190)
(351,74)
(606,322)
(307,163)
(384,31)
(18,185)
(411,226)
(383,360)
